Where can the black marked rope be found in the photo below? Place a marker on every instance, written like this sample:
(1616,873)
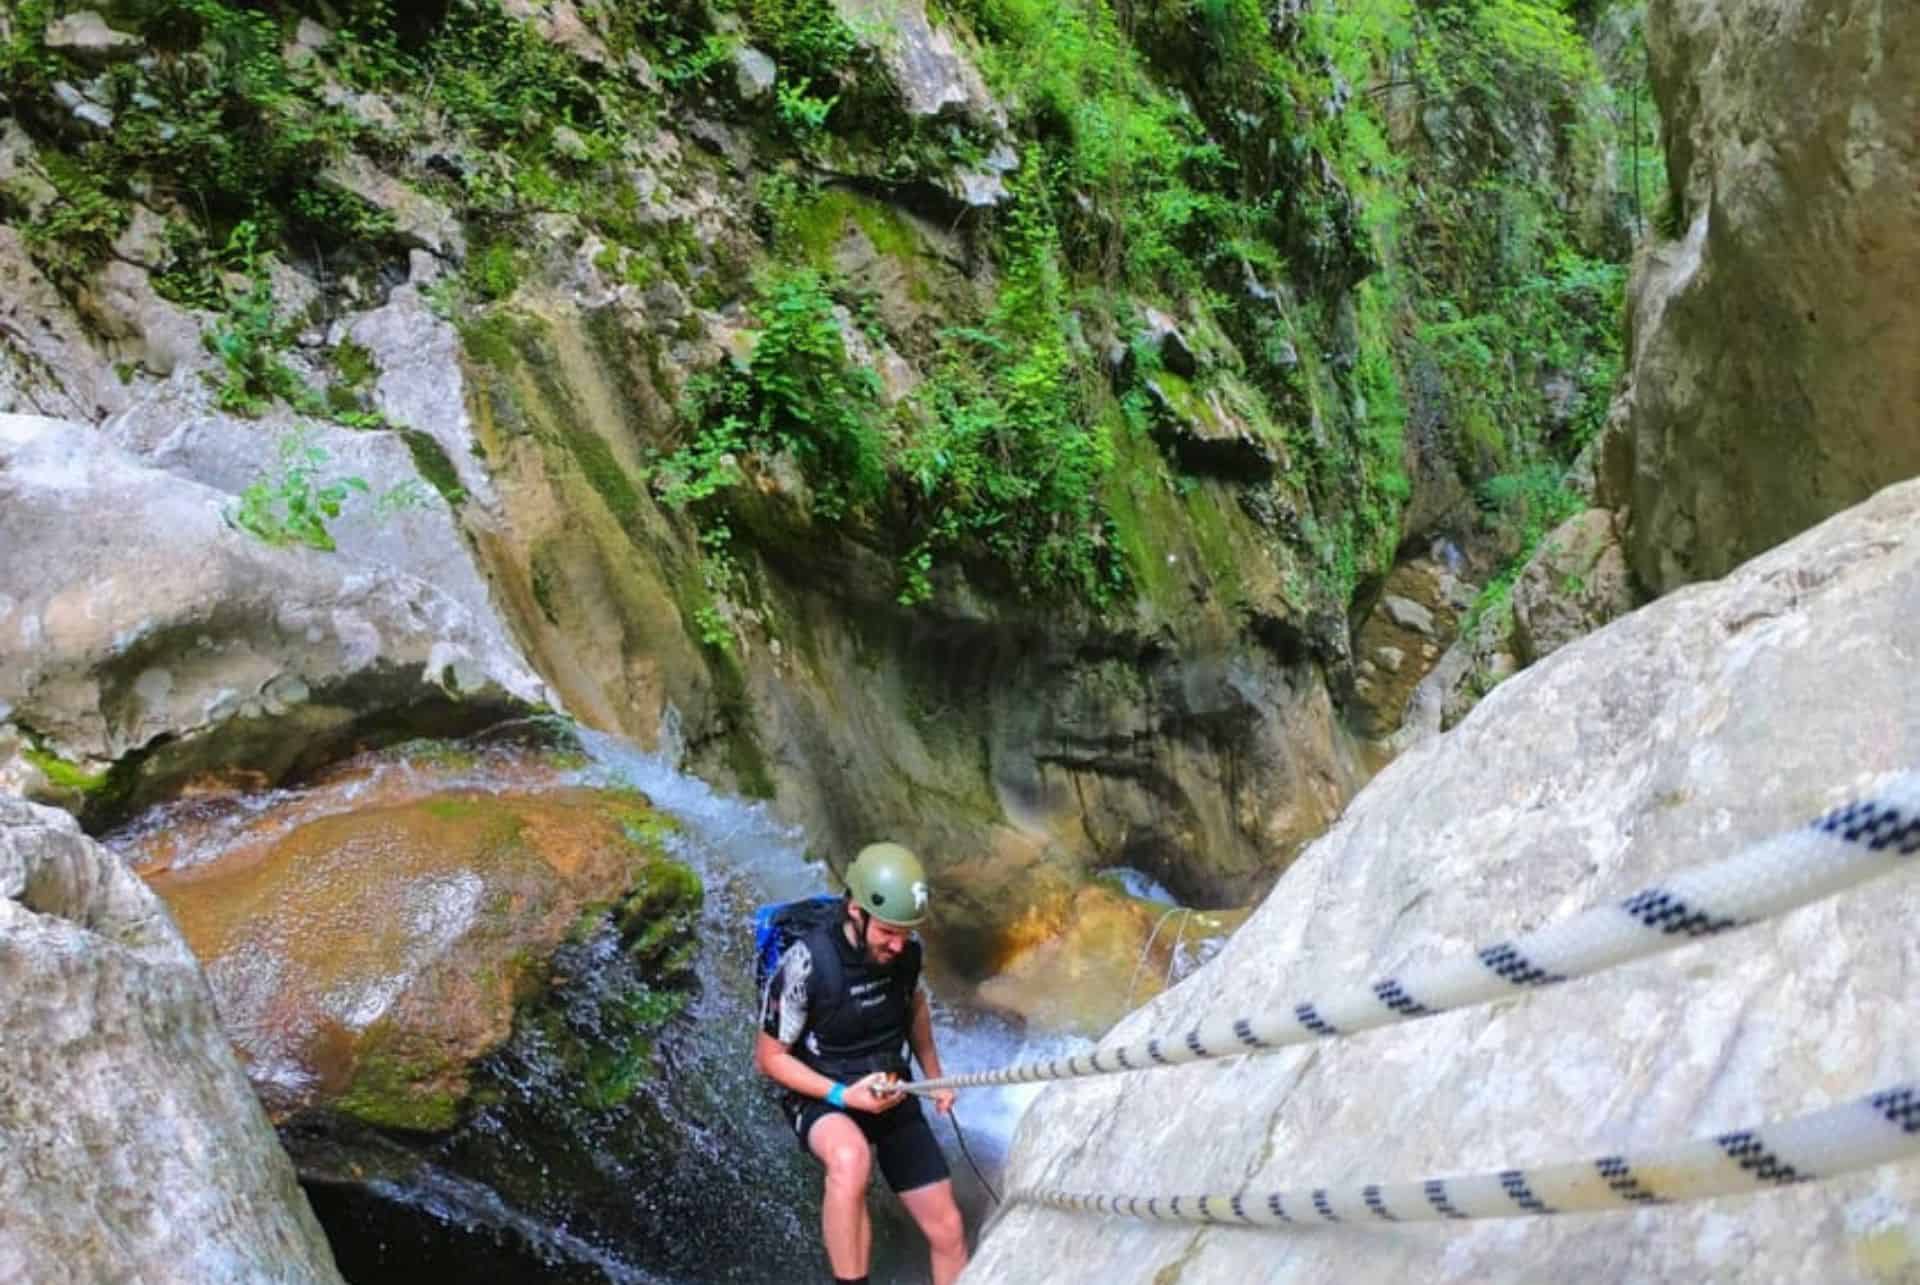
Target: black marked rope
(1879,1128)
(1845,847)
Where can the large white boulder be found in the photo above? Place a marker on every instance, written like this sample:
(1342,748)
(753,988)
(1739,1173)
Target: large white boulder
(1718,715)
(131,1146)
(136,621)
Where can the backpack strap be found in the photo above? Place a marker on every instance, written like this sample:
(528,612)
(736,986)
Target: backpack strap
(827,983)
(914,958)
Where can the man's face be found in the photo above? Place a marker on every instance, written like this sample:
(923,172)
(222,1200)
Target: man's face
(884,942)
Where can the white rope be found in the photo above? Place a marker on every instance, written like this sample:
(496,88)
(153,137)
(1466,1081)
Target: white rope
(1146,950)
(1173,956)
(1882,1127)
(1845,847)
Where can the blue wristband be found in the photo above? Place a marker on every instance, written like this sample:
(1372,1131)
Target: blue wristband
(837,1095)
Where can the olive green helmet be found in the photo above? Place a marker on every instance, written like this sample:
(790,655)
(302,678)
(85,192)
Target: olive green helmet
(889,883)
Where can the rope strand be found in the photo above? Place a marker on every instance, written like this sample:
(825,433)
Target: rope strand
(1844,847)
(1874,1130)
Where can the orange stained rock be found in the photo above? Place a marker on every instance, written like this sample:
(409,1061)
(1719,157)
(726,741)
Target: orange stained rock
(1102,946)
(395,938)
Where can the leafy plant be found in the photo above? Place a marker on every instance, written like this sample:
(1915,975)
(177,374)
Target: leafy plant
(801,113)
(294,504)
(806,36)
(493,271)
(249,336)
(1008,458)
(798,393)
(1529,503)
(77,229)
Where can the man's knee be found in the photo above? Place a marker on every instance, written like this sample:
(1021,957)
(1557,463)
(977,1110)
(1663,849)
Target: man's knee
(939,1218)
(848,1161)
(944,1230)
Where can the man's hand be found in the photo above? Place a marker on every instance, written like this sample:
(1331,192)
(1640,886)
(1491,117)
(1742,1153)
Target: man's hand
(874,1093)
(943,1101)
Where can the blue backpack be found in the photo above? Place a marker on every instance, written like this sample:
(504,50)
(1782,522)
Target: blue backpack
(778,926)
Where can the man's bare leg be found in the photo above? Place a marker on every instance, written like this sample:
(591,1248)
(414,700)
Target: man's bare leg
(933,1207)
(844,1224)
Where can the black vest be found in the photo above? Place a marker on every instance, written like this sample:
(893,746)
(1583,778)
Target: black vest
(857,1012)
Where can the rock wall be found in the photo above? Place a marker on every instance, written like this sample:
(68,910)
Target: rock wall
(1714,717)
(1773,375)
(1018,745)
(131,1146)
(527,309)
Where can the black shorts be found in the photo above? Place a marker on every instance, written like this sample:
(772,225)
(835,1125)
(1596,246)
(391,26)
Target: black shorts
(910,1157)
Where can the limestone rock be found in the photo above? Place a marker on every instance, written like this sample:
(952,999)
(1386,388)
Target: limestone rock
(135,1149)
(1677,734)
(83,104)
(1576,581)
(138,326)
(898,378)
(1603,471)
(932,71)
(753,73)
(420,384)
(560,22)
(419,220)
(135,621)
(369,108)
(85,35)
(417,534)
(143,241)
(309,39)
(20,171)
(48,365)
(1417,614)
(1773,379)
(1214,426)
(984,186)
(1408,614)
(1163,333)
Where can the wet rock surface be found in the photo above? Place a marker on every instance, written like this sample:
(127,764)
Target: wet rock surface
(370,936)
(130,1144)
(1103,954)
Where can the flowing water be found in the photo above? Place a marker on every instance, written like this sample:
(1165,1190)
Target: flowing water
(749,859)
(689,1173)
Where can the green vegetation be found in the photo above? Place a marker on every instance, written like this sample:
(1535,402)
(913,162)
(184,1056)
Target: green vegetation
(294,504)
(996,455)
(1009,453)
(65,775)
(616,1068)
(249,339)
(394,1090)
(1528,505)
(1346,205)
(798,393)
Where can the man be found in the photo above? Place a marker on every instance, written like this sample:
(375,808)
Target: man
(841,1012)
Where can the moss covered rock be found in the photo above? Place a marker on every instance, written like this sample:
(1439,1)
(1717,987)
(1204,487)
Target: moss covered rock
(373,938)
